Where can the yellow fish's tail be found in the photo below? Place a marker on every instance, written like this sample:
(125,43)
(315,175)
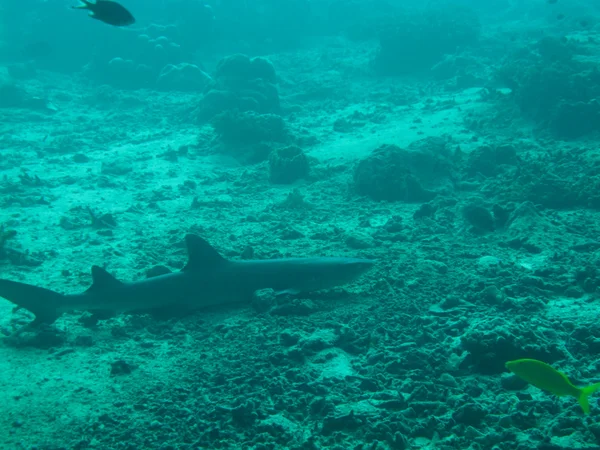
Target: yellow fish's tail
(584,394)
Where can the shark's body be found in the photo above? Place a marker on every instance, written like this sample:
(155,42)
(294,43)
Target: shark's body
(208,279)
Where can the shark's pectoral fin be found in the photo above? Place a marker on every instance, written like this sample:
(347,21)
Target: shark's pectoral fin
(157,271)
(201,254)
(102,280)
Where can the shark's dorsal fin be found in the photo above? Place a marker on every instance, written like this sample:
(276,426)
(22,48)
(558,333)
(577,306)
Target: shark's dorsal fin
(201,254)
(102,280)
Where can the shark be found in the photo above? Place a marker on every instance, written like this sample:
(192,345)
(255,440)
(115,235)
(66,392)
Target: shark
(208,279)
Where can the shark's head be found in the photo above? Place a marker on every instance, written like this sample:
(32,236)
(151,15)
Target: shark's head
(351,268)
(330,272)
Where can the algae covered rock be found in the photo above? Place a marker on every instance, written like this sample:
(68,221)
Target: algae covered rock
(242,83)
(287,165)
(122,73)
(182,77)
(408,45)
(575,119)
(479,217)
(487,160)
(240,68)
(416,174)
(249,136)
(555,86)
(247,128)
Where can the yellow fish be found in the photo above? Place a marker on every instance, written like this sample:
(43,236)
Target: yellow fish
(546,377)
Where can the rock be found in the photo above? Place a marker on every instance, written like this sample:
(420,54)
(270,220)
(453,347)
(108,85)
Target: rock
(182,77)
(486,159)
(479,217)
(410,175)
(240,129)
(287,165)
(575,119)
(407,47)
(244,68)
(117,167)
(243,84)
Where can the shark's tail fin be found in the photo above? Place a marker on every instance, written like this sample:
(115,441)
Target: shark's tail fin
(41,302)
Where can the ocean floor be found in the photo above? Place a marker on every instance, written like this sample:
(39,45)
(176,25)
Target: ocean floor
(411,356)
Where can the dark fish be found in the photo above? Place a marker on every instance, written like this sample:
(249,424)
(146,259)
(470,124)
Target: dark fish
(560,16)
(108,12)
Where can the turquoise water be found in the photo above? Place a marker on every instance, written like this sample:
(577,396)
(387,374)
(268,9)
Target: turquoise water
(453,143)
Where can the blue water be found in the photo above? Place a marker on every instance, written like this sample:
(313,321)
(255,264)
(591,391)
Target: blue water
(453,142)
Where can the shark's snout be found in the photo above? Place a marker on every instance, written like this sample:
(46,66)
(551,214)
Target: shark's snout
(346,270)
(359,266)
